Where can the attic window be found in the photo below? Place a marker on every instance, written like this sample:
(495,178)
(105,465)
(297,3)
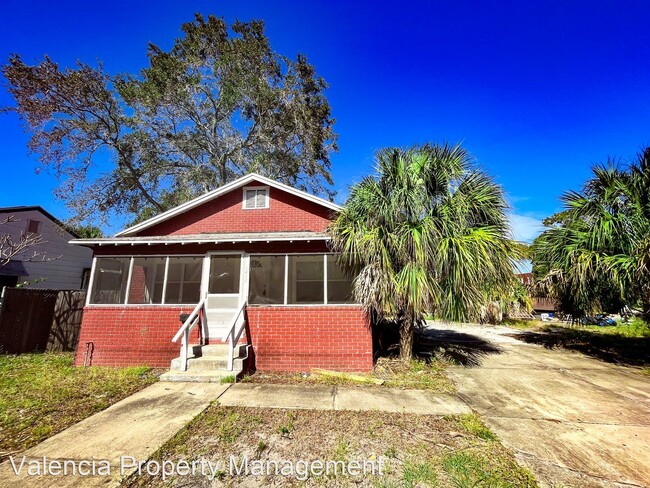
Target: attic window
(33,226)
(256,197)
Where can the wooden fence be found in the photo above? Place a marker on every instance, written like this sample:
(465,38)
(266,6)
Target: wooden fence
(40,320)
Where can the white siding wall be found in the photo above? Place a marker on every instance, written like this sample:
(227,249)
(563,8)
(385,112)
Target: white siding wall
(65,272)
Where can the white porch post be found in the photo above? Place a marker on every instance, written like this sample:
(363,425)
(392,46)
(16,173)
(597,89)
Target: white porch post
(93,266)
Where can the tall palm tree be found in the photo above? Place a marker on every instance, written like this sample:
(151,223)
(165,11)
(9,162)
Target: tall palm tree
(425,234)
(598,250)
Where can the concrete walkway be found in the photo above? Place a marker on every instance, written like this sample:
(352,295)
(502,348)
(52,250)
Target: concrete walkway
(573,420)
(342,398)
(137,426)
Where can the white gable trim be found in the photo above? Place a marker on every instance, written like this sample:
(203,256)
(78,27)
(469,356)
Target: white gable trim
(221,191)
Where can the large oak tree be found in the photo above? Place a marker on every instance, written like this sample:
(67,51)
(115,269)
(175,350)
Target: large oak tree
(220,103)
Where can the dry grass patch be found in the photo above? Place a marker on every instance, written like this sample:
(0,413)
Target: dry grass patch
(42,394)
(418,375)
(415,450)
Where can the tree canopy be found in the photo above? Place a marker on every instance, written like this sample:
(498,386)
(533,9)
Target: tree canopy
(427,234)
(220,103)
(596,254)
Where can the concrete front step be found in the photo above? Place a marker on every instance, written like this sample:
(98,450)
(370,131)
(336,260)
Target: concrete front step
(217,351)
(207,363)
(214,376)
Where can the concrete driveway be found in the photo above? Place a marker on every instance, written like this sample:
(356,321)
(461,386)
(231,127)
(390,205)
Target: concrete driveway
(573,420)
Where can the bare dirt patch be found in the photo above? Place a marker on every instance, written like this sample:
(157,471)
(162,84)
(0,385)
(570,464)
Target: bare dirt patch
(418,375)
(415,450)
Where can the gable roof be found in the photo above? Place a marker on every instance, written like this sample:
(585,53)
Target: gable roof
(38,208)
(233,185)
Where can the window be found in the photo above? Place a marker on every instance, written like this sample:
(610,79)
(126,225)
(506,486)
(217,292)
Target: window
(33,226)
(339,286)
(109,282)
(184,280)
(306,279)
(147,277)
(256,197)
(266,280)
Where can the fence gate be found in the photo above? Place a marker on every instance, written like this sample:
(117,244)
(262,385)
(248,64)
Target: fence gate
(39,320)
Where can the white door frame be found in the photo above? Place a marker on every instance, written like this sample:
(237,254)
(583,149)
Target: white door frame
(243,274)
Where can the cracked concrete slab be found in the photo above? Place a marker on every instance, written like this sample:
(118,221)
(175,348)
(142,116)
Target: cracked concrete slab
(573,420)
(318,397)
(400,401)
(279,396)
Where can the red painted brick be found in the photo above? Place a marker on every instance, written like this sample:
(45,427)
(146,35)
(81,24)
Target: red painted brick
(286,212)
(133,335)
(301,338)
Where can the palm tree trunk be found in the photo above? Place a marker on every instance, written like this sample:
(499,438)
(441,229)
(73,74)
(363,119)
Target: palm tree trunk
(406,333)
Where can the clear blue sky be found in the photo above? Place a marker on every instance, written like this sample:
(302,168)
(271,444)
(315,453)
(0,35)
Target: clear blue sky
(537,91)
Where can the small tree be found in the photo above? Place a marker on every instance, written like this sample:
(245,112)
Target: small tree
(426,234)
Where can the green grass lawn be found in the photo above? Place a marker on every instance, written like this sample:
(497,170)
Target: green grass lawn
(42,394)
(416,450)
(635,328)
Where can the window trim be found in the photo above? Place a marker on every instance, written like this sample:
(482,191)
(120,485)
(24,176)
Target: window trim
(257,188)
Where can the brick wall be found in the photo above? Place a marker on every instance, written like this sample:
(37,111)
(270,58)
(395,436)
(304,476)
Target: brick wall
(286,213)
(283,338)
(301,338)
(132,335)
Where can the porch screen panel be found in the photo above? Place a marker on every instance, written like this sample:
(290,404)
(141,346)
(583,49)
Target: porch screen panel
(147,280)
(339,285)
(306,279)
(184,280)
(109,282)
(266,285)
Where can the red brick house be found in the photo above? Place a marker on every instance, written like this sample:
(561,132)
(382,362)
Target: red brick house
(249,262)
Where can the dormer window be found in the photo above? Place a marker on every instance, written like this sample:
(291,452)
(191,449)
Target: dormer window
(256,197)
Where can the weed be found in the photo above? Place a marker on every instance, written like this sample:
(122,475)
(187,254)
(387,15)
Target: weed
(415,474)
(261,447)
(391,452)
(472,424)
(287,429)
(342,450)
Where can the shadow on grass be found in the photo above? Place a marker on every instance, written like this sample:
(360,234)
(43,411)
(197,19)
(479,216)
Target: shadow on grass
(611,348)
(458,347)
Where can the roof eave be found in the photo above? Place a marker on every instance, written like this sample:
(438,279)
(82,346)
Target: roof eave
(167,242)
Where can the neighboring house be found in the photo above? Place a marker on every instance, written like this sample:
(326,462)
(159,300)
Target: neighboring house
(526,279)
(253,255)
(58,265)
(540,304)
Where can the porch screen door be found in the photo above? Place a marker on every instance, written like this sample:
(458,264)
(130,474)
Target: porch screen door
(224,284)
